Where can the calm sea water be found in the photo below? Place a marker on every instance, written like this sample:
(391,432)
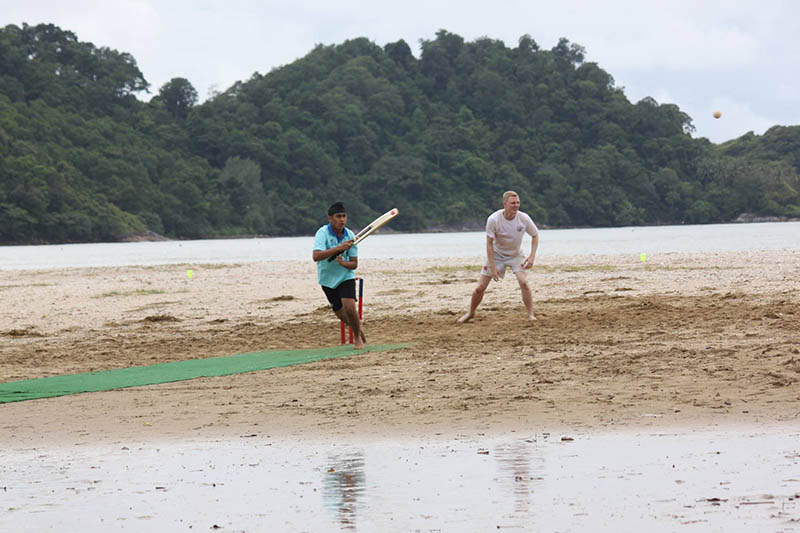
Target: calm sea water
(650,239)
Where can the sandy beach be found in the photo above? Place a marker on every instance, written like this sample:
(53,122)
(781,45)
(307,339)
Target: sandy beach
(678,340)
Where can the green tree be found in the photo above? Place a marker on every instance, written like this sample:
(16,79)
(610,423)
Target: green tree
(179,96)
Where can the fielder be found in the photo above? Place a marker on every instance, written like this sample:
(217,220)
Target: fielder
(504,231)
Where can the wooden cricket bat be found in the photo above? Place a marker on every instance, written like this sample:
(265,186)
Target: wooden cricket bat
(371,228)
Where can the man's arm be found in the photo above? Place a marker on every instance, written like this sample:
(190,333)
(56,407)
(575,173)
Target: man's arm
(319,255)
(528,263)
(351,263)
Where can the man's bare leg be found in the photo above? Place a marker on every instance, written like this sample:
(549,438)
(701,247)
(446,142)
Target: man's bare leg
(349,315)
(527,297)
(477,297)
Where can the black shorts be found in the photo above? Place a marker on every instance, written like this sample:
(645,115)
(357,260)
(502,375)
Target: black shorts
(346,289)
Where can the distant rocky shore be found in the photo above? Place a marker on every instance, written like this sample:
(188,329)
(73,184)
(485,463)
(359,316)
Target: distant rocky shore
(144,237)
(750,217)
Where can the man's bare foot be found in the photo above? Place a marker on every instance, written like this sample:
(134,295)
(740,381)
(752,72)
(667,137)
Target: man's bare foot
(465,318)
(531,317)
(358,344)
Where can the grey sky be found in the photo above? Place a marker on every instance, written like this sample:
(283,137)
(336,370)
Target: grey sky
(736,56)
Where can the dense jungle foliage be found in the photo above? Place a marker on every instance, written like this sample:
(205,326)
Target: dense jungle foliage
(82,158)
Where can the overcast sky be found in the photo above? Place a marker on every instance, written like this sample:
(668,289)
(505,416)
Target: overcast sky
(740,57)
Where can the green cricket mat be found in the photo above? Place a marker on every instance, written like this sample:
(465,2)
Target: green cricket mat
(32,389)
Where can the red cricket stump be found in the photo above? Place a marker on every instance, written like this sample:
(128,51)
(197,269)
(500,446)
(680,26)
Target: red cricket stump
(360,299)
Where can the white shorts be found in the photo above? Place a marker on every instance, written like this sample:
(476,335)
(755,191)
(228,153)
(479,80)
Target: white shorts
(501,263)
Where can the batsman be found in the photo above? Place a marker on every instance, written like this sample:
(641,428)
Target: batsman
(337,278)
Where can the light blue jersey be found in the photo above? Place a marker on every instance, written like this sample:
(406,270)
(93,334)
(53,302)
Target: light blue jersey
(331,273)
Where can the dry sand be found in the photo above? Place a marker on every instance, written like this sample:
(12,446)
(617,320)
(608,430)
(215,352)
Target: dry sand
(681,340)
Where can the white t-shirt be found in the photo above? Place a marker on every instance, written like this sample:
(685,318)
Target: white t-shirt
(507,234)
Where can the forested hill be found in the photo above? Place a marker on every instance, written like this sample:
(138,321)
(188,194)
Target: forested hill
(439,136)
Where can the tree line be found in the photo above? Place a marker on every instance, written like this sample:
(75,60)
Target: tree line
(82,158)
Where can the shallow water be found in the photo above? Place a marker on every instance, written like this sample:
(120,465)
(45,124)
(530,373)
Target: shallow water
(729,480)
(650,240)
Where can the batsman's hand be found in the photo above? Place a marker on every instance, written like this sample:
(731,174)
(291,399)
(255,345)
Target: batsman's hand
(346,245)
(340,249)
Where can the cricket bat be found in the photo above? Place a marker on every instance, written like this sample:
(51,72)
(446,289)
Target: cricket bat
(371,228)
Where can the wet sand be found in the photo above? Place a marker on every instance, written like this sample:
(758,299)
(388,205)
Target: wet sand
(631,481)
(683,340)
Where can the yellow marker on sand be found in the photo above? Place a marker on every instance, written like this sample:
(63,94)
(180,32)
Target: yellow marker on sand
(190,274)
(643,257)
